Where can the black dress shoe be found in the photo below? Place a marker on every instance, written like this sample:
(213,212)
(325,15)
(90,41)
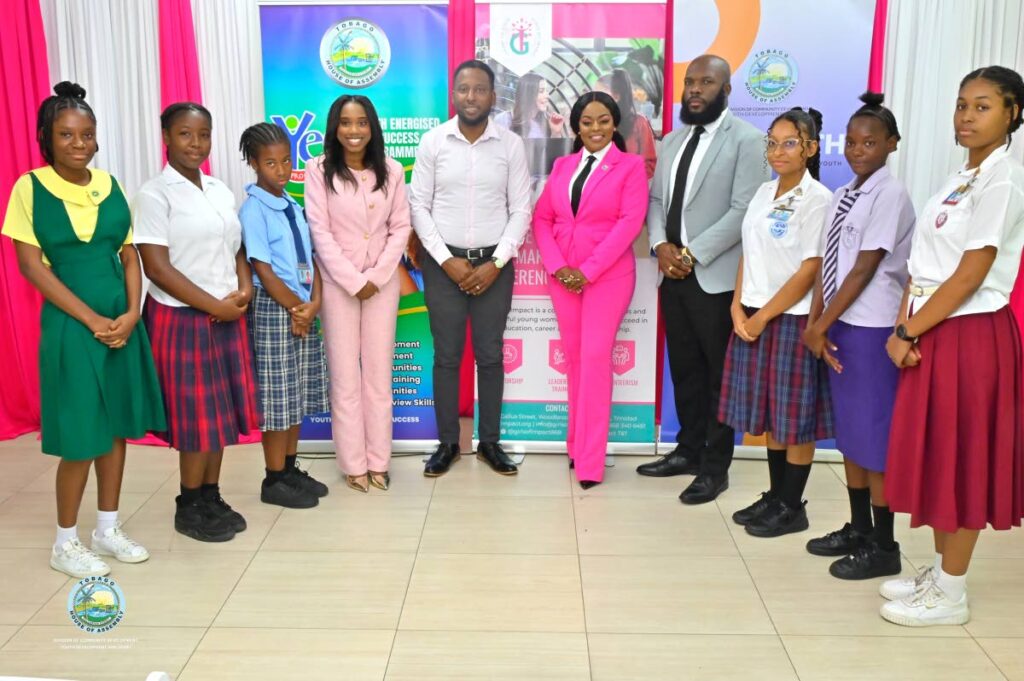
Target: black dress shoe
(704,488)
(842,542)
(779,519)
(494,456)
(572,464)
(441,460)
(867,562)
(587,484)
(674,463)
(747,515)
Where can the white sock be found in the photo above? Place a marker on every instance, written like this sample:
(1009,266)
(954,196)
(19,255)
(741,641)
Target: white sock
(65,534)
(938,563)
(105,520)
(952,585)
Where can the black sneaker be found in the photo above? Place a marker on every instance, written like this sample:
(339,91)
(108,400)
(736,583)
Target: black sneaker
(288,494)
(303,480)
(869,561)
(842,542)
(221,509)
(747,515)
(779,519)
(199,521)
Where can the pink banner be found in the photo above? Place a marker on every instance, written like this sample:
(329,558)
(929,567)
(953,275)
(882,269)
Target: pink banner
(179,62)
(568,22)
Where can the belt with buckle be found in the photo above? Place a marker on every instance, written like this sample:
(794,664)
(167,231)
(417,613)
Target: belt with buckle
(472,254)
(921,291)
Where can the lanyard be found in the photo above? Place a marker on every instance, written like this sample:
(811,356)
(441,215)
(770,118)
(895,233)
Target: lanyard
(305,272)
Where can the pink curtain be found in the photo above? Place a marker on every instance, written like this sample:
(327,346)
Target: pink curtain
(876,67)
(179,62)
(24,83)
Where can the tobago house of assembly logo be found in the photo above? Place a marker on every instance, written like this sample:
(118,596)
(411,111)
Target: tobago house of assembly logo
(772,76)
(355,53)
(96,604)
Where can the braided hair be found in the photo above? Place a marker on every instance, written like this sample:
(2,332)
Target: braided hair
(66,95)
(1010,85)
(873,108)
(808,123)
(255,137)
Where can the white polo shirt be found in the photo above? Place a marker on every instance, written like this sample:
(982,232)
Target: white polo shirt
(774,247)
(991,213)
(200,228)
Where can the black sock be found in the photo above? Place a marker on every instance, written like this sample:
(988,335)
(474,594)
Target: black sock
(776,470)
(883,527)
(289,461)
(190,495)
(274,476)
(794,483)
(211,490)
(860,508)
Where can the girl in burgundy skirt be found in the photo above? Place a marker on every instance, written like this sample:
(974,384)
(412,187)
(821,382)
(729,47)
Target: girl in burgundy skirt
(190,240)
(856,302)
(956,453)
(772,384)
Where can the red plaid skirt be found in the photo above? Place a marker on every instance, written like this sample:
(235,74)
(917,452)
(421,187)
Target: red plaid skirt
(956,449)
(206,371)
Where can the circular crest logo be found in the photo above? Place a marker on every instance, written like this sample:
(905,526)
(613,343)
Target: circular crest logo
(941,220)
(96,604)
(772,76)
(355,53)
(779,229)
(521,36)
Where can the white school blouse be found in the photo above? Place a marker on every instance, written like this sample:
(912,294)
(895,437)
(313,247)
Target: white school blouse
(199,227)
(774,248)
(991,213)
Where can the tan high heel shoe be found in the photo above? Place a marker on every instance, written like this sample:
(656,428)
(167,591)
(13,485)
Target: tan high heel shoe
(357,482)
(380,479)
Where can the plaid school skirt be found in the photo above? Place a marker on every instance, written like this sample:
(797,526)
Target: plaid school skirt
(776,385)
(291,370)
(206,371)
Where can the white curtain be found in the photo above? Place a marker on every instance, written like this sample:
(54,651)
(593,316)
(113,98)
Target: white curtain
(110,48)
(929,46)
(231,71)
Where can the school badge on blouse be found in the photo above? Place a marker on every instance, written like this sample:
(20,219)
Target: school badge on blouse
(779,229)
(941,219)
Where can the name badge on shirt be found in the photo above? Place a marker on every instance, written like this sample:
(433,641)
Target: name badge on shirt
(960,192)
(305,273)
(780,213)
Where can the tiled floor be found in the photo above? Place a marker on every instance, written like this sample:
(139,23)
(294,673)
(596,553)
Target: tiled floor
(475,576)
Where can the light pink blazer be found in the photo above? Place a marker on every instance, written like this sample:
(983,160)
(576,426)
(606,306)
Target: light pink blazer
(598,240)
(359,234)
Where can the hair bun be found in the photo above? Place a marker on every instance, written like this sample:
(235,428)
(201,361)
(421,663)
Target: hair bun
(875,99)
(68,89)
(815,116)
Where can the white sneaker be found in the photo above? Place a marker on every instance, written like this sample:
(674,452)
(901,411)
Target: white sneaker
(927,607)
(905,587)
(74,560)
(114,542)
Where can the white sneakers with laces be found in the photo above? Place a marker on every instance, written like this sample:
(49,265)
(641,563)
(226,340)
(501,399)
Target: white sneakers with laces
(74,560)
(928,606)
(900,588)
(114,542)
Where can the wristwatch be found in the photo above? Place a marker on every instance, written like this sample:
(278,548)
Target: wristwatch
(901,333)
(498,262)
(687,257)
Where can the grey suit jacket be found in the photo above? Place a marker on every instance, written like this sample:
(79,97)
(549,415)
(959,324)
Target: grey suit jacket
(729,174)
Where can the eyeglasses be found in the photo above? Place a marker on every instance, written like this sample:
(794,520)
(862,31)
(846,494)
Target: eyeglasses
(791,144)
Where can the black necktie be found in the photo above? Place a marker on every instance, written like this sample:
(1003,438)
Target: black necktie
(674,220)
(577,186)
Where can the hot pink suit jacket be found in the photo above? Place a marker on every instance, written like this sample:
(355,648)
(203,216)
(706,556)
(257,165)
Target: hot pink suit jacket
(598,240)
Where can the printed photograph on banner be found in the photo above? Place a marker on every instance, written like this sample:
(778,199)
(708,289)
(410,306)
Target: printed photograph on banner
(535,102)
(314,53)
(797,53)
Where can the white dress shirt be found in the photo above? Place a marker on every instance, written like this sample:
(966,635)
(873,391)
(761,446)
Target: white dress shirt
(199,227)
(599,156)
(698,156)
(470,195)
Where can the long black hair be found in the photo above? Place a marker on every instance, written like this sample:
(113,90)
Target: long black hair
(621,87)
(255,137)
(807,123)
(334,153)
(1010,85)
(525,111)
(66,95)
(605,100)
(873,108)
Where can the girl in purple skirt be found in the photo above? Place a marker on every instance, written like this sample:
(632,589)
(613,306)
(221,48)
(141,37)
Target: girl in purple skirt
(856,302)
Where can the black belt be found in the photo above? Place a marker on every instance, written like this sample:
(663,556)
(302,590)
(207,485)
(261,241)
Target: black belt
(472,254)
